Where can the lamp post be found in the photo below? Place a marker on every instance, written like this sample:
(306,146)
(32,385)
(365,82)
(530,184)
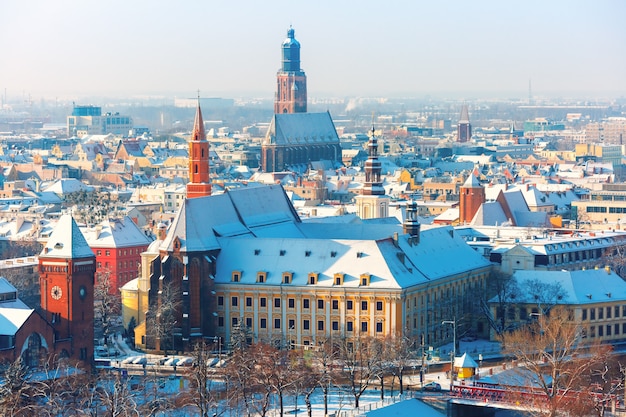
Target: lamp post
(453,323)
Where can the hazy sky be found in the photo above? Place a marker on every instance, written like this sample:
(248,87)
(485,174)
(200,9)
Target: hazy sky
(230,48)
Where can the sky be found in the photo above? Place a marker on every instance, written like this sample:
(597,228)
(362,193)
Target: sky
(349,48)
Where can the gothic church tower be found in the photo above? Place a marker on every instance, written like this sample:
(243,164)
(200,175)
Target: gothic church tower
(290,79)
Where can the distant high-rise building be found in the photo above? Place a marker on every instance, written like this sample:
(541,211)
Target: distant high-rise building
(89,120)
(290,79)
(464,130)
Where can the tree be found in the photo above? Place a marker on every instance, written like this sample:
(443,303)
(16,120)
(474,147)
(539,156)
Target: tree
(15,398)
(357,358)
(550,353)
(325,358)
(202,392)
(107,304)
(505,290)
(92,207)
(398,354)
(163,317)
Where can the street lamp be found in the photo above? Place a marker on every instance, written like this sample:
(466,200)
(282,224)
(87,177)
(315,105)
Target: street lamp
(453,323)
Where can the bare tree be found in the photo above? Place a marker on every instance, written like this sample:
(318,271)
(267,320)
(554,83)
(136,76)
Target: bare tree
(504,289)
(324,360)
(398,354)
(92,207)
(204,394)
(15,398)
(550,352)
(107,303)
(164,317)
(116,397)
(357,358)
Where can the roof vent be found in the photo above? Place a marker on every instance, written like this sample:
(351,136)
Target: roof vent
(589,296)
(307,253)
(608,294)
(282,252)
(58,245)
(257,251)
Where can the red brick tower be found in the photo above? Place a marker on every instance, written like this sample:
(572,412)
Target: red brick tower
(199,184)
(290,79)
(471,198)
(67,267)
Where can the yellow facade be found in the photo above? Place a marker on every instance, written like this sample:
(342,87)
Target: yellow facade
(304,316)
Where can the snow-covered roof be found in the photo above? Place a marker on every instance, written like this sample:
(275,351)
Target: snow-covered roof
(465,361)
(406,408)
(301,129)
(247,211)
(67,185)
(12,319)
(66,241)
(590,286)
(115,233)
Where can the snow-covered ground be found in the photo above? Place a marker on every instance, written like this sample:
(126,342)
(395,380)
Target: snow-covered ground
(340,400)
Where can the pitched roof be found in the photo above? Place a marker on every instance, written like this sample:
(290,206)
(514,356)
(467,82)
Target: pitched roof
(590,286)
(253,211)
(66,241)
(301,129)
(115,233)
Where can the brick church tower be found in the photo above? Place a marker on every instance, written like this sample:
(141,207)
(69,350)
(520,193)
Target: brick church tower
(290,79)
(199,184)
(471,198)
(464,128)
(67,267)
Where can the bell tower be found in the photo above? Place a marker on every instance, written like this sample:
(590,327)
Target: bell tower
(290,79)
(471,198)
(66,276)
(199,184)
(372,203)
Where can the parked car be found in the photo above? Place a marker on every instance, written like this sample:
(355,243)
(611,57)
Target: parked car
(171,361)
(130,359)
(432,386)
(185,362)
(140,360)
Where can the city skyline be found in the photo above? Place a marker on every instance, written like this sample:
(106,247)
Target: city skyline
(478,49)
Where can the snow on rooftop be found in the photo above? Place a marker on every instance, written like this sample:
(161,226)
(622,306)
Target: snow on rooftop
(580,287)
(12,319)
(66,241)
(115,234)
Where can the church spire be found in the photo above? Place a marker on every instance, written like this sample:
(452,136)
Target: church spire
(373,183)
(199,184)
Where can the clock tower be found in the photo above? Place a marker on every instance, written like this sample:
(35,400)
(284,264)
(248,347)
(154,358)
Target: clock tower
(67,267)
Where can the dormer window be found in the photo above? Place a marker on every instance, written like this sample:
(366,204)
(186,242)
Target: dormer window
(338,279)
(287,277)
(236,276)
(313,278)
(365,280)
(261,277)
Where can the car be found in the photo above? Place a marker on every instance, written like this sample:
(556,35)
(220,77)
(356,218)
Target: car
(140,360)
(129,360)
(432,386)
(185,362)
(170,362)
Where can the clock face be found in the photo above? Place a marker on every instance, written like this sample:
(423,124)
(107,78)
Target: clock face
(56,292)
(82,292)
